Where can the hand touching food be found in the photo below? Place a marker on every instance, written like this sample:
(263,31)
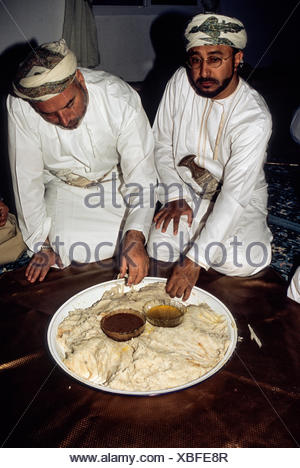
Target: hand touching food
(134,259)
(183,279)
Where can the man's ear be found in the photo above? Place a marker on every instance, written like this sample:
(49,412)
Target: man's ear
(238,58)
(79,77)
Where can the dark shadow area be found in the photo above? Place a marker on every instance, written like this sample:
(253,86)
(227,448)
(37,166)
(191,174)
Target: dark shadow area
(272,50)
(9,61)
(167,37)
(282,96)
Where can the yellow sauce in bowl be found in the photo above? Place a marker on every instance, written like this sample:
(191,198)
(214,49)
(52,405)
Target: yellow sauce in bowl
(165,315)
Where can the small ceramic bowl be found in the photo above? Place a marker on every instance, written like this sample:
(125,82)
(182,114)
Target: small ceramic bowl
(123,324)
(164,312)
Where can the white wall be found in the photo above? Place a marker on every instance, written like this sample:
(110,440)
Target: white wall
(24,20)
(124,37)
(125,45)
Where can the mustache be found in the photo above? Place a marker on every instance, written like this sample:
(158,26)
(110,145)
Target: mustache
(71,125)
(205,80)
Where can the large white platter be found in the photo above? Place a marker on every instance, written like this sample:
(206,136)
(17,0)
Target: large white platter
(88,296)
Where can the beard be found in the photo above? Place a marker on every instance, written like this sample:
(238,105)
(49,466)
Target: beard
(221,85)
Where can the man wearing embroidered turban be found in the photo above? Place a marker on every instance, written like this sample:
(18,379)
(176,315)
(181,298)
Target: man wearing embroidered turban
(81,155)
(211,133)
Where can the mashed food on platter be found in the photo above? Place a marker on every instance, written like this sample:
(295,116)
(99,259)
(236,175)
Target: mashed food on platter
(158,359)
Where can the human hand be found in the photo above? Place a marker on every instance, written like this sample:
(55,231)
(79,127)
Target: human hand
(134,257)
(173,210)
(183,279)
(3,213)
(40,264)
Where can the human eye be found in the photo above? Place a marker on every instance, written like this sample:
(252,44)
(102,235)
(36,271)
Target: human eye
(214,60)
(52,117)
(47,115)
(194,61)
(70,103)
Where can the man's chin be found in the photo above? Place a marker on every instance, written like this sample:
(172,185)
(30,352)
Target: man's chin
(214,89)
(206,92)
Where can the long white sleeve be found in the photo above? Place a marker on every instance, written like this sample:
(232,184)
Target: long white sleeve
(171,186)
(26,164)
(135,146)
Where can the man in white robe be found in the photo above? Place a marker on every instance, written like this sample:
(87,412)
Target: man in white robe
(81,155)
(293,291)
(211,133)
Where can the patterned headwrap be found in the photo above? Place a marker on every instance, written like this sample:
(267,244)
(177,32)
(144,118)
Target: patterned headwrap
(46,72)
(212,29)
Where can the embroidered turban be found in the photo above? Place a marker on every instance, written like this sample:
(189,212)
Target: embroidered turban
(212,29)
(46,72)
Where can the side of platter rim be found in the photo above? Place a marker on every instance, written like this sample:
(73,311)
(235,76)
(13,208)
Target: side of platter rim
(65,308)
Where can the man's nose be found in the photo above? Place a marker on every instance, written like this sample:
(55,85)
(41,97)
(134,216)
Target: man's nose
(204,70)
(64,117)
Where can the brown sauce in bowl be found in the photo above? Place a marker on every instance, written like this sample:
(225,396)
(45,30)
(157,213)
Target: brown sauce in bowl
(123,322)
